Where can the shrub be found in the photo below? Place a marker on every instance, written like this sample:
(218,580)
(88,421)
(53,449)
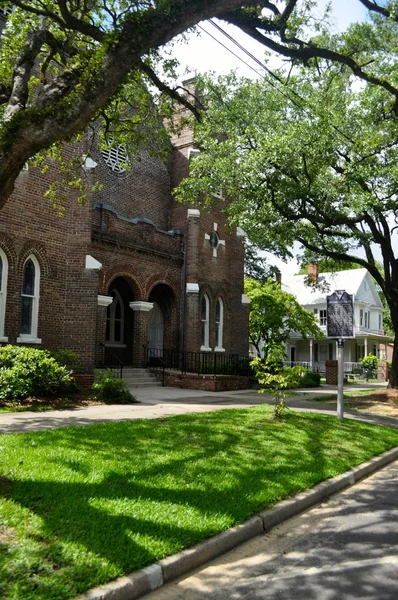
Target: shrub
(369,362)
(32,372)
(109,388)
(310,379)
(68,358)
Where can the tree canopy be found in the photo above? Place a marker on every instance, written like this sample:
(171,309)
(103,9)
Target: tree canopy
(275,315)
(64,63)
(311,157)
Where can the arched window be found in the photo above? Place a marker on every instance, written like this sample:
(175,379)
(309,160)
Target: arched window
(30,300)
(115,320)
(3,292)
(204,317)
(219,324)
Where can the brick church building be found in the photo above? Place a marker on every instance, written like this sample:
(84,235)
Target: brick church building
(129,269)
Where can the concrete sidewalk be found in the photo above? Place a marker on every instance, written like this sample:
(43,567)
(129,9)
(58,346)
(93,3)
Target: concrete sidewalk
(156,402)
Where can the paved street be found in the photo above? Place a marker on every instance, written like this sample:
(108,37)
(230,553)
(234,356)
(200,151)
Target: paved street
(344,549)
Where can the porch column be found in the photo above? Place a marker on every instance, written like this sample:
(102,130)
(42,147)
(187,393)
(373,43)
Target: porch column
(102,305)
(140,331)
(366,346)
(311,354)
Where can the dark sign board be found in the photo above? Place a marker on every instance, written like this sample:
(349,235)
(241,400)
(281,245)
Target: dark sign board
(340,315)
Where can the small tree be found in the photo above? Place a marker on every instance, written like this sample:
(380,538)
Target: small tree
(275,315)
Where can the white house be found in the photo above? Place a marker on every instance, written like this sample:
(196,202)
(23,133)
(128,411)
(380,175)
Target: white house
(311,291)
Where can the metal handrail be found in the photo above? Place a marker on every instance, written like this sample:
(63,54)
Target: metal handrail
(110,360)
(211,363)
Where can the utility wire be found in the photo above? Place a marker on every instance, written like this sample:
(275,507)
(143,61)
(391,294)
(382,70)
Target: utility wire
(245,50)
(231,51)
(231,39)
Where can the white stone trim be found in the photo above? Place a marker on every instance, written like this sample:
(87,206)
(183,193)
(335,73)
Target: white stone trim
(141,306)
(192,288)
(31,337)
(104,300)
(92,263)
(193,213)
(88,163)
(192,152)
(3,293)
(245,299)
(3,339)
(205,349)
(216,349)
(240,232)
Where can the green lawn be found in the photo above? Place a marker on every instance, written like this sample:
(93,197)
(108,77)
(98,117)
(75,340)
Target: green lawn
(83,505)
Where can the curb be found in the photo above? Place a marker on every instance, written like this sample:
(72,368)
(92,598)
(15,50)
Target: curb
(142,582)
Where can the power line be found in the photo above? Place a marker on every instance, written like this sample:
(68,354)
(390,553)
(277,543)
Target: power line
(245,50)
(231,51)
(231,39)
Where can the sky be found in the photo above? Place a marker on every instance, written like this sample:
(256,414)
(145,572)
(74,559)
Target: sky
(203,54)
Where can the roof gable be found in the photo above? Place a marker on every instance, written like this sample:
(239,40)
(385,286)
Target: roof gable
(352,281)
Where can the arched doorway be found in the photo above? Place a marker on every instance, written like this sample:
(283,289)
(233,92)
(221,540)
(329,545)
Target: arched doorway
(163,320)
(156,330)
(120,320)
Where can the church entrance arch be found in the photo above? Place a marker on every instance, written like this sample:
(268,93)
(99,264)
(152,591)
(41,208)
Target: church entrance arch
(163,320)
(156,330)
(120,320)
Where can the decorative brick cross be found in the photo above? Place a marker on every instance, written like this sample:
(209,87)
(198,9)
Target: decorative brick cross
(214,239)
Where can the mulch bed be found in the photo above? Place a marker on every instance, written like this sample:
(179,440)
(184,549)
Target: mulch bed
(37,404)
(379,402)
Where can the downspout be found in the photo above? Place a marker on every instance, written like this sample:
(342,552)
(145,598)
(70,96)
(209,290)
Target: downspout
(183,296)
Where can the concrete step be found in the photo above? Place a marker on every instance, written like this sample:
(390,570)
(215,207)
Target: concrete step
(136,378)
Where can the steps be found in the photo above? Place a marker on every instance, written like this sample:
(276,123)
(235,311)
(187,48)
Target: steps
(139,378)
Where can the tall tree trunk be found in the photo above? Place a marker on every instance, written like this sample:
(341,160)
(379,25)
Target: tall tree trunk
(393,380)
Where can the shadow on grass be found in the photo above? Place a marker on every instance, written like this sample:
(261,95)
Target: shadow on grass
(116,497)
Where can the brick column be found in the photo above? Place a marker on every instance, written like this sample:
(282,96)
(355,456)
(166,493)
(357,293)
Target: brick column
(192,309)
(192,244)
(331,372)
(140,331)
(382,371)
(192,318)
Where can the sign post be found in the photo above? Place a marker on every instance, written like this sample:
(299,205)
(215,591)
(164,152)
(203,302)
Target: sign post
(340,325)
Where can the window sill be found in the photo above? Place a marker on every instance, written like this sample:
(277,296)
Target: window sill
(3,339)
(28,340)
(205,349)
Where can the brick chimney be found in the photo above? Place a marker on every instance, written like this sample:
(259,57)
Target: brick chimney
(312,273)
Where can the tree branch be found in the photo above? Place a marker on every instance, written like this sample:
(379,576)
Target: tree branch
(168,90)
(305,51)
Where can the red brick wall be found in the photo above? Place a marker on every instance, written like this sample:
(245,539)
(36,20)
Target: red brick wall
(209,383)
(126,227)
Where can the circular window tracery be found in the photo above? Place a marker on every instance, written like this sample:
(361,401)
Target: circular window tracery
(115,157)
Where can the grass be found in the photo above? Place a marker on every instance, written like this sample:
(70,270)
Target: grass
(84,505)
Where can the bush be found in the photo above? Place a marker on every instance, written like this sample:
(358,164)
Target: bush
(369,362)
(310,379)
(68,358)
(109,388)
(32,372)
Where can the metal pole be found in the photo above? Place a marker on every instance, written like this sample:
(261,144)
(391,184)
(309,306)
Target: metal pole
(340,379)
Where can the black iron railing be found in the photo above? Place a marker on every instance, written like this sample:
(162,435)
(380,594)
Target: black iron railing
(109,360)
(155,363)
(201,363)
